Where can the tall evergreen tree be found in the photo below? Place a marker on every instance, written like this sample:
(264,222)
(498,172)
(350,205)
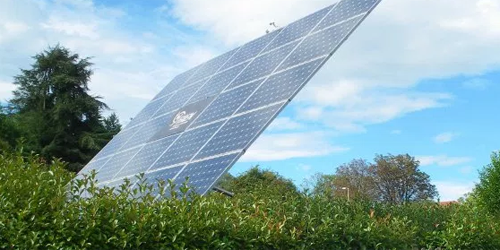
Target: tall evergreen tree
(59,115)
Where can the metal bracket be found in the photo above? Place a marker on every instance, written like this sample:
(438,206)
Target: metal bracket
(223,191)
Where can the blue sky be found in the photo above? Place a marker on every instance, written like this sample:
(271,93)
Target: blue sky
(401,83)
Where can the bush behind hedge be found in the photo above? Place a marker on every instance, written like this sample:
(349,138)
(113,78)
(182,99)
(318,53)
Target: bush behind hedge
(40,208)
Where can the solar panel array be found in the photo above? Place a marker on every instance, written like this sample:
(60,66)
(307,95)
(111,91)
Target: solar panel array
(205,118)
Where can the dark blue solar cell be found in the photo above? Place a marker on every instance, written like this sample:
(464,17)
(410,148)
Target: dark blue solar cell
(298,29)
(116,143)
(281,86)
(176,83)
(226,104)
(263,65)
(115,164)
(153,178)
(238,132)
(186,146)
(150,109)
(118,183)
(321,43)
(217,83)
(251,49)
(147,131)
(345,10)
(146,156)
(179,99)
(204,174)
(93,165)
(211,67)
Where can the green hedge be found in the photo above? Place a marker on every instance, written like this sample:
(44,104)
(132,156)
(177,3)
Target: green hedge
(39,210)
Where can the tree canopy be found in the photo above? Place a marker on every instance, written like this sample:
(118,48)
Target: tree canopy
(394,179)
(259,182)
(55,112)
(488,188)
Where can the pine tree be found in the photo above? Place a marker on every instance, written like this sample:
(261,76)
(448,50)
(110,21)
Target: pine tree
(59,116)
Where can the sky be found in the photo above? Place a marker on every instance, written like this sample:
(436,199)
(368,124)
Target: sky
(418,76)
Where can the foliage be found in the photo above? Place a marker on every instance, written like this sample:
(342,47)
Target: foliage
(9,130)
(488,189)
(398,179)
(353,175)
(259,182)
(54,111)
(394,179)
(39,210)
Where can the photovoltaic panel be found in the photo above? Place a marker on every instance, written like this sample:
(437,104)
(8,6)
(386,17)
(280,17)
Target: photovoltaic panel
(206,118)
(299,28)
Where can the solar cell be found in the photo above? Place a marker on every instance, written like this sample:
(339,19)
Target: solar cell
(186,146)
(177,82)
(298,29)
(251,49)
(148,111)
(106,172)
(321,43)
(238,132)
(145,132)
(345,10)
(206,118)
(263,65)
(210,67)
(202,175)
(145,157)
(152,178)
(217,83)
(281,86)
(179,99)
(116,143)
(226,103)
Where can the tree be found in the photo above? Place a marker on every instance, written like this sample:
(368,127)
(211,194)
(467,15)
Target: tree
(393,179)
(398,179)
(488,189)
(59,116)
(260,182)
(9,130)
(323,185)
(353,175)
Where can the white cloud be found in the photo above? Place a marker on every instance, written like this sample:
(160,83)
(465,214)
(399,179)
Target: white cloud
(15,27)
(77,28)
(284,123)
(304,168)
(476,84)
(362,107)
(451,191)
(442,160)
(466,170)
(6,89)
(396,132)
(194,54)
(445,137)
(275,147)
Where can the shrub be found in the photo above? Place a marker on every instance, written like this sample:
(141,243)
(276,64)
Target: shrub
(487,191)
(40,208)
